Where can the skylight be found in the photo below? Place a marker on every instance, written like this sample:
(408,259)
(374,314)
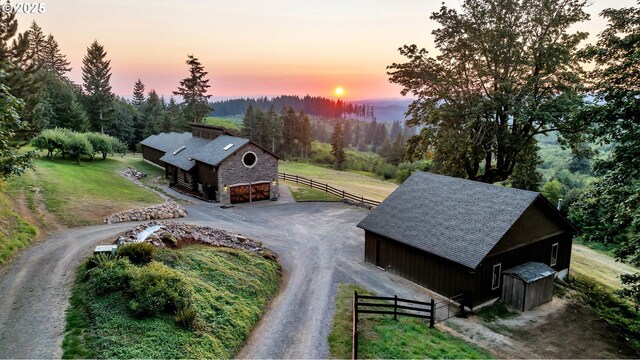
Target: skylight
(179,149)
(227,147)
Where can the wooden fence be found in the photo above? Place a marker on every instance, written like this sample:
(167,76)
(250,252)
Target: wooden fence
(390,306)
(327,189)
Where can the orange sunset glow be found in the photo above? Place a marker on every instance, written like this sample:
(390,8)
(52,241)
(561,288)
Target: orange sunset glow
(251,48)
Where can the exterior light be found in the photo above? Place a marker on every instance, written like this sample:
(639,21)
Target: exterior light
(273,181)
(225,188)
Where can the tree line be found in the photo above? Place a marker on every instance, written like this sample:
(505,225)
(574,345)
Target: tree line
(38,95)
(312,105)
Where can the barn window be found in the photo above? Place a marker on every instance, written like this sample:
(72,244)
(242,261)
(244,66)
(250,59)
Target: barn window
(554,254)
(249,159)
(495,279)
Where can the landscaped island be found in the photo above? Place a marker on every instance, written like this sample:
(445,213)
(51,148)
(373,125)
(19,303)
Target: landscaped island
(184,300)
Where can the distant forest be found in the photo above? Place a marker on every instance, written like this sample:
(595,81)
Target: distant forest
(311,105)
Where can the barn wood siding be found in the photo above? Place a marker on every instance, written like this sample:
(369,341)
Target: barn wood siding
(182,178)
(440,275)
(207,174)
(152,155)
(206,132)
(449,279)
(513,292)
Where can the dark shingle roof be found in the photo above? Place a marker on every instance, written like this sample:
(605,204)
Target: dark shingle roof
(453,218)
(183,158)
(166,141)
(530,272)
(213,153)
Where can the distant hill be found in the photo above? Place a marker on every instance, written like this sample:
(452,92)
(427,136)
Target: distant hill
(384,110)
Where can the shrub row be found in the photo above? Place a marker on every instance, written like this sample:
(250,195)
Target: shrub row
(75,144)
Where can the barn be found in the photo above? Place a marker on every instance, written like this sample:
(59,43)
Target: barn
(455,236)
(212,163)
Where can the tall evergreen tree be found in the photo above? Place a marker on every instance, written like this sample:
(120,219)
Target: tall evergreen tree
(153,112)
(174,118)
(396,129)
(193,91)
(54,60)
(249,124)
(37,44)
(305,134)
(62,108)
(138,94)
(119,123)
(337,146)
(397,150)
(289,130)
(12,162)
(96,75)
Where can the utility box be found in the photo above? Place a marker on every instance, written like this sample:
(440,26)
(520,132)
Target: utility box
(105,249)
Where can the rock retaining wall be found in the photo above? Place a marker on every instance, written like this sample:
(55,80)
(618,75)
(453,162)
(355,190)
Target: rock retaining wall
(167,210)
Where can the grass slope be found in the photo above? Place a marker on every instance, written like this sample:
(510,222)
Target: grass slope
(598,266)
(356,183)
(230,291)
(84,194)
(381,337)
(15,231)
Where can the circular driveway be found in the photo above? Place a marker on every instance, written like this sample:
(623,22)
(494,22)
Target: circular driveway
(318,245)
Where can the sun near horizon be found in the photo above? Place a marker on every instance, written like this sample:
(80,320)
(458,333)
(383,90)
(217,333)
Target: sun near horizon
(339,91)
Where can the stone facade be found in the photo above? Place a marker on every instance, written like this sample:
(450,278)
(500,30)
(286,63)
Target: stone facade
(232,172)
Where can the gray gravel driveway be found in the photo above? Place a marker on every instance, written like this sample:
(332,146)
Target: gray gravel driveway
(318,245)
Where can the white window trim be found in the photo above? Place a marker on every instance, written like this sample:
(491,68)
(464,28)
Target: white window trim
(245,154)
(551,261)
(493,271)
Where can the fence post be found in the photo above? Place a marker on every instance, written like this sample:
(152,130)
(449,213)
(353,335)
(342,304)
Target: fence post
(311,183)
(326,188)
(296,179)
(432,320)
(395,307)
(343,194)
(354,337)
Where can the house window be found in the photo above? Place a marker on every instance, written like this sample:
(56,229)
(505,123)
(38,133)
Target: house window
(495,279)
(249,159)
(554,254)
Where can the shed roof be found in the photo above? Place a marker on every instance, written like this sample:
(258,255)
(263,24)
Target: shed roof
(182,154)
(530,272)
(459,220)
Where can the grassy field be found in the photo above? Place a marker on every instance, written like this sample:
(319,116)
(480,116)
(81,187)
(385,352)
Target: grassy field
(381,337)
(354,182)
(599,266)
(229,292)
(82,194)
(15,231)
(233,123)
(305,193)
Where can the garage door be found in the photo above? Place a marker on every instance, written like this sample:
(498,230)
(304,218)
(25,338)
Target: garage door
(253,192)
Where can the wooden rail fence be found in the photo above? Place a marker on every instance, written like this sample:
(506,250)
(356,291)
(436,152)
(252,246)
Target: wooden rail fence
(327,189)
(390,306)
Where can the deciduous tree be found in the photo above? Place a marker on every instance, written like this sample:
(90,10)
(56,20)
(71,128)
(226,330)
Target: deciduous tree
(506,71)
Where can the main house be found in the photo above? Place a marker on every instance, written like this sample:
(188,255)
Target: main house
(212,163)
(456,236)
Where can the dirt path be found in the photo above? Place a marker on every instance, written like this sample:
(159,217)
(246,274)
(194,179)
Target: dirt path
(562,329)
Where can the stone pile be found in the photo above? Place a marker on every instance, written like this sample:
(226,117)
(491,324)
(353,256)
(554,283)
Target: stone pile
(133,175)
(357,203)
(166,210)
(172,234)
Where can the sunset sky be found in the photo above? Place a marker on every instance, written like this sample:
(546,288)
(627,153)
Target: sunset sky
(252,47)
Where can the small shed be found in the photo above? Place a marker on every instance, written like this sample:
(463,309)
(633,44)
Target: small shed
(527,286)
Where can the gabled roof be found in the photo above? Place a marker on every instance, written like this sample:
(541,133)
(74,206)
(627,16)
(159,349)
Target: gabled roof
(459,220)
(182,155)
(166,141)
(214,152)
(530,272)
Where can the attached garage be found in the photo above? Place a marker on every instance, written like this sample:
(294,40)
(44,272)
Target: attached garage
(250,192)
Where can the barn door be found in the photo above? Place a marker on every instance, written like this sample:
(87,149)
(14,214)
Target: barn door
(240,194)
(260,191)
(381,254)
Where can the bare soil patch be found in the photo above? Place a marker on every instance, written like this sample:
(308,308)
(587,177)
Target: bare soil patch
(562,329)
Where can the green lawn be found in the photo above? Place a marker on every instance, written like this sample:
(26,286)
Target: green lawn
(305,193)
(353,182)
(598,266)
(15,231)
(84,194)
(229,290)
(381,337)
(233,123)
